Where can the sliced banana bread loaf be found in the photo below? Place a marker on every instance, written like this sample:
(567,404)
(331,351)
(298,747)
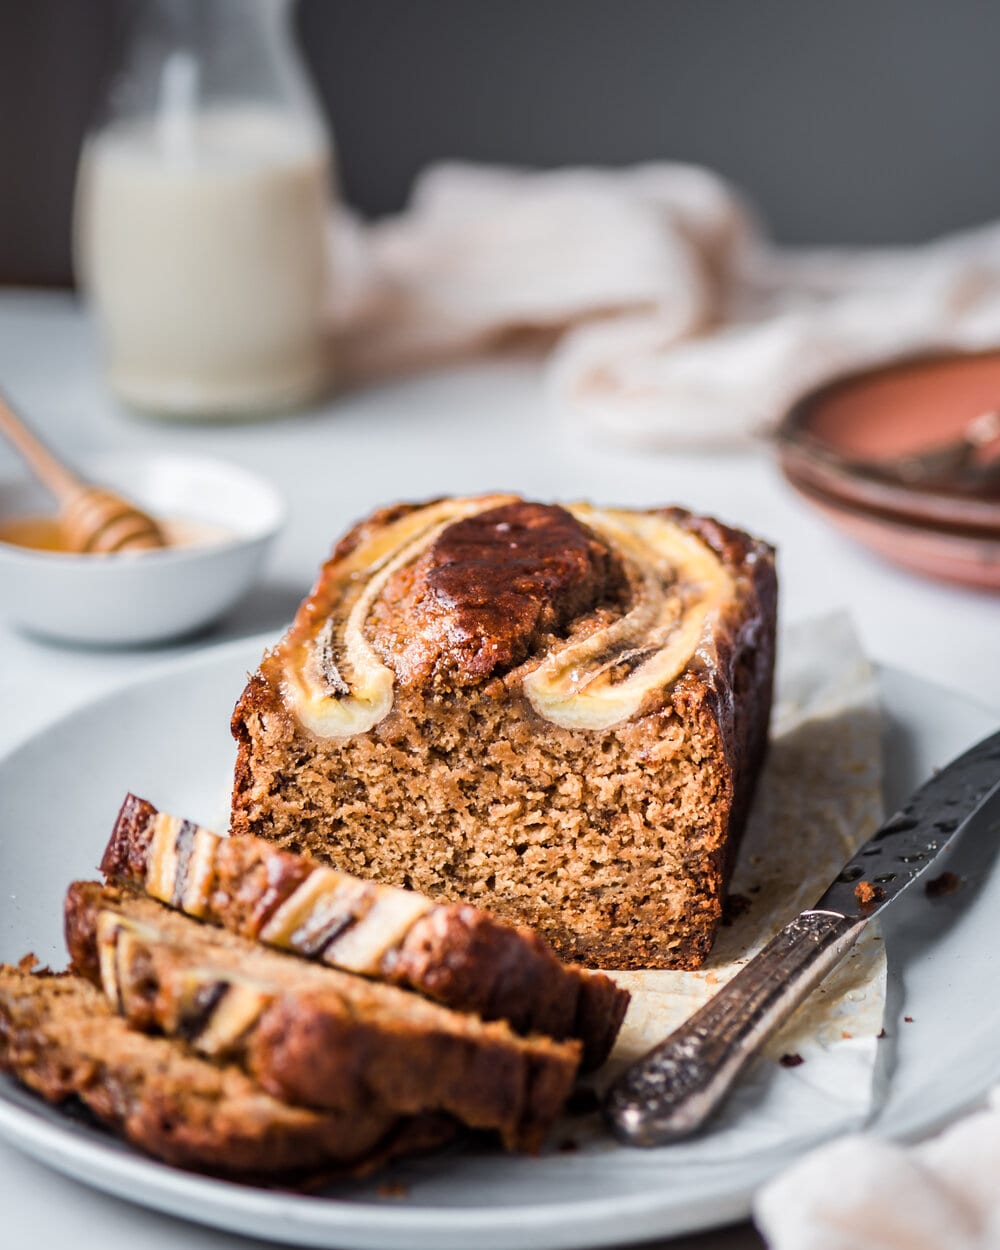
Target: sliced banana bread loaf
(59,1037)
(313,1035)
(454,954)
(554,713)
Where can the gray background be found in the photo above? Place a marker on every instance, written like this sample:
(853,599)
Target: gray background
(845,120)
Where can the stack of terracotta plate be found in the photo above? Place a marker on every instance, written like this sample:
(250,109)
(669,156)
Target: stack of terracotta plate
(906,459)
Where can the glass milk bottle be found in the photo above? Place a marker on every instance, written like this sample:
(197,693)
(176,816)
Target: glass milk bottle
(201,214)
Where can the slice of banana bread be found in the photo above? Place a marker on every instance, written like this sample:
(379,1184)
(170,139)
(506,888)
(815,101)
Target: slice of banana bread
(557,714)
(454,954)
(59,1037)
(313,1035)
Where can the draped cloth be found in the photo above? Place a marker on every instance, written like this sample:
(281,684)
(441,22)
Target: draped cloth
(666,316)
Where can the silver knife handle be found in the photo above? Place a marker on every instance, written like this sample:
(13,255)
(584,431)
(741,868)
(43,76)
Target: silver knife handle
(672,1090)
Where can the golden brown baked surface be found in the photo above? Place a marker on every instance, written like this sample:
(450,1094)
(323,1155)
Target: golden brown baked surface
(488,591)
(557,714)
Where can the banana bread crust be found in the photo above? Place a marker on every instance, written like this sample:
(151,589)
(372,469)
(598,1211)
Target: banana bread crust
(487,590)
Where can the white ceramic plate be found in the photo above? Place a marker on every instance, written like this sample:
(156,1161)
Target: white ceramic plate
(167,739)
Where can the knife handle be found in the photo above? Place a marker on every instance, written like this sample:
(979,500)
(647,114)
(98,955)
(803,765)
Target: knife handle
(671,1091)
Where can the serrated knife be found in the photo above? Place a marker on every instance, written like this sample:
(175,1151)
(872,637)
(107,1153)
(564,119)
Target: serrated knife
(674,1089)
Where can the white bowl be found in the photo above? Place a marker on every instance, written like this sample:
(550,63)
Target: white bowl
(152,596)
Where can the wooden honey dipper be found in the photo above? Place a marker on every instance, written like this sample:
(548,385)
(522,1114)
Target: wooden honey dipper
(92,519)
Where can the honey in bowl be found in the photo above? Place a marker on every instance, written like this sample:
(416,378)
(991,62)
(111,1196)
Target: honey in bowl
(44,533)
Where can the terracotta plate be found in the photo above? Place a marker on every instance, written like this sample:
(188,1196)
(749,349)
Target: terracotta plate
(965,557)
(838,444)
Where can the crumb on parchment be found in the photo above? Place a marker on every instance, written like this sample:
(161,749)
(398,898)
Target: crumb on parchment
(946,883)
(734,906)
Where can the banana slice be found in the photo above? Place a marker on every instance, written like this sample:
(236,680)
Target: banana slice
(113,932)
(678,586)
(335,682)
(338,686)
(222,1008)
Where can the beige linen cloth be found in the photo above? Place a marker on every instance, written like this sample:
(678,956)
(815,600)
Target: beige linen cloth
(669,318)
(860,1193)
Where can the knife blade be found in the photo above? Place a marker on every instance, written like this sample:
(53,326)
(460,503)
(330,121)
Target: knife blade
(910,841)
(677,1086)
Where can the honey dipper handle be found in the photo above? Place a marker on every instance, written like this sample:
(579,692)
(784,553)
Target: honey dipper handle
(674,1089)
(51,472)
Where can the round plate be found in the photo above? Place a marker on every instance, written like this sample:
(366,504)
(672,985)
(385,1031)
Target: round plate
(965,557)
(167,739)
(833,440)
(834,435)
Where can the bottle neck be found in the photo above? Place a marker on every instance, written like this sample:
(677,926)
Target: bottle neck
(183,57)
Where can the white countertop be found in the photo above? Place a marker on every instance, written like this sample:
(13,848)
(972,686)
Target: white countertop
(480,428)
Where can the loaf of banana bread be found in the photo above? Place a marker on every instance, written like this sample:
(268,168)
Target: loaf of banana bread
(454,954)
(312,1035)
(554,713)
(60,1038)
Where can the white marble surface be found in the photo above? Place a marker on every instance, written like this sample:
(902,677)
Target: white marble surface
(468,430)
